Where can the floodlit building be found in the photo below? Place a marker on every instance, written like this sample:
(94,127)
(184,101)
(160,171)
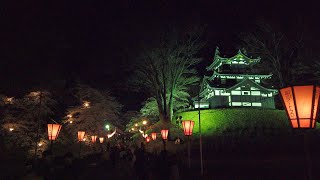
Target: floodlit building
(233,84)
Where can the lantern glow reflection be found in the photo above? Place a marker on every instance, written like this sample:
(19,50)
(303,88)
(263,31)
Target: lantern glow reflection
(301,103)
(53,131)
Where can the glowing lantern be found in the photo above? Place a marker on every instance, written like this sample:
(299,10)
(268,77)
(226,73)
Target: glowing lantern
(93,139)
(301,104)
(187,127)
(81,135)
(154,136)
(101,139)
(164,134)
(11,129)
(53,131)
(86,104)
(148,139)
(144,122)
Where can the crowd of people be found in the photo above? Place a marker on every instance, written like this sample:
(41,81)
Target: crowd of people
(119,161)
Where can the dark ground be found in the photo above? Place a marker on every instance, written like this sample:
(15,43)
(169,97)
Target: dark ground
(273,158)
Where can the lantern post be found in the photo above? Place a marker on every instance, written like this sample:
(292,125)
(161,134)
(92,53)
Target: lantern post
(80,139)
(187,130)
(101,139)
(200,132)
(53,133)
(164,135)
(302,105)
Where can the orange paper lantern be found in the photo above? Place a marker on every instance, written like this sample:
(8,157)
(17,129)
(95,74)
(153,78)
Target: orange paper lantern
(164,134)
(154,136)
(93,139)
(81,135)
(187,127)
(301,103)
(148,139)
(53,131)
(101,139)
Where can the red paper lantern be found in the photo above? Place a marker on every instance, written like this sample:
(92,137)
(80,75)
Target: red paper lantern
(148,139)
(93,139)
(154,136)
(81,135)
(164,134)
(53,131)
(301,103)
(101,139)
(187,127)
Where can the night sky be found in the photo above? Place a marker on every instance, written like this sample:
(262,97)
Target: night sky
(97,41)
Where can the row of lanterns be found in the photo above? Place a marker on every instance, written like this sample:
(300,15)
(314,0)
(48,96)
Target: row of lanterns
(93,138)
(187,130)
(54,130)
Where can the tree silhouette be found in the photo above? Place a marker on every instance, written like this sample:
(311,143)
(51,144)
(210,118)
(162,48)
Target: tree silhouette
(167,70)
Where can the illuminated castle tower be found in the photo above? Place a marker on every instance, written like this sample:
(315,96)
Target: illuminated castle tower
(233,84)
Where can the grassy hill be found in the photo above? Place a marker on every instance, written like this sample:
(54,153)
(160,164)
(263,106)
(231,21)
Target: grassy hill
(217,121)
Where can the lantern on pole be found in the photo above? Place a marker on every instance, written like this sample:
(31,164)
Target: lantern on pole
(101,140)
(53,132)
(80,139)
(301,103)
(164,135)
(154,136)
(187,130)
(187,127)
(93,139)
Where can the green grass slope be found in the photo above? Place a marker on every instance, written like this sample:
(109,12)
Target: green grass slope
(216,121)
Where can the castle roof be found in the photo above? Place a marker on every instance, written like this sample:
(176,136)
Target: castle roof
(228,88)
(239,57)
(262,76)
(250,83)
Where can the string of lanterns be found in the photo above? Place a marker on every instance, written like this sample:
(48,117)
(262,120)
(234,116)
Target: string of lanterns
(54,130)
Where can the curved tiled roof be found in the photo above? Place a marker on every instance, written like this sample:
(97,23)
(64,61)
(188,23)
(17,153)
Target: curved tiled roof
(218,60)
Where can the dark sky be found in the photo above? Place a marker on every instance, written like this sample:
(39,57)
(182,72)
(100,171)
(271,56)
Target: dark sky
(95,41)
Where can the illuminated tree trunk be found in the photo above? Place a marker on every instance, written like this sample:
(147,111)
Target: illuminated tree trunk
(170,105)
